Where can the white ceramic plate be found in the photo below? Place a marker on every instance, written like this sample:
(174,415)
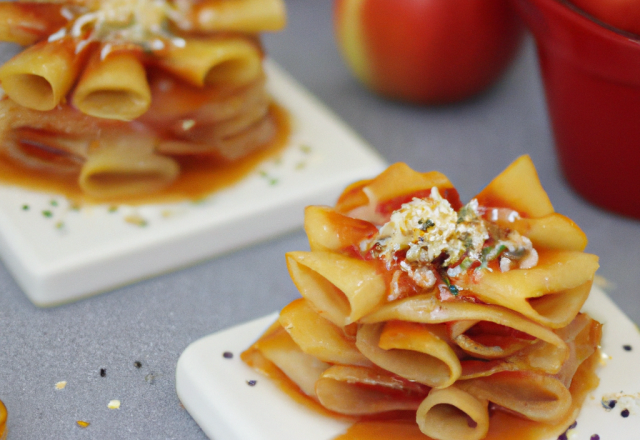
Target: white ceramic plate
(58,253)
(215,391)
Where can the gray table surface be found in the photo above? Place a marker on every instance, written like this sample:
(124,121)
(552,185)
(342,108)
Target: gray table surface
(153,321)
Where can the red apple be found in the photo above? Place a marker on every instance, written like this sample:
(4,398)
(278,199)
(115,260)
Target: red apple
(427,51)
(623,14)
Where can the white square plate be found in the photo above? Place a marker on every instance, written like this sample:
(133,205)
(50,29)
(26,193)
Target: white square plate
(58,253)
(214,389)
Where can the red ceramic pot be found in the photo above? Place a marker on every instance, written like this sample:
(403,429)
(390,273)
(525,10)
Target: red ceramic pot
(591,74)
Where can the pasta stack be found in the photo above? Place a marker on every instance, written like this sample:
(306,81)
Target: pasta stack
(113,91)
(467,317)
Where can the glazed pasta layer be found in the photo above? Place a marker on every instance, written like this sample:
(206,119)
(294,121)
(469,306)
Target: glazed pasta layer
(115,92)
(452,321)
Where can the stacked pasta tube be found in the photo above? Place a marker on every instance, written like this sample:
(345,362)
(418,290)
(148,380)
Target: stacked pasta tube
(112,91)
(466,316)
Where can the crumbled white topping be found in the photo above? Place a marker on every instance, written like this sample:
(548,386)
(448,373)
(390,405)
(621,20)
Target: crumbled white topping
(505,264)
(114,404)
(133,21)
(423,276)
(433,234)
(429,227)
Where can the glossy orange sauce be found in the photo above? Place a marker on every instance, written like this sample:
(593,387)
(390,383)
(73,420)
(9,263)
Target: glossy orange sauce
(200,175)
(3,421)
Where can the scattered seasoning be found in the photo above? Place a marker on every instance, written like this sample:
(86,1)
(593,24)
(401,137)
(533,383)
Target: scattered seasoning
(595,437)
(252,382)
(137,364)
(306,149)
(60,225)
(103,372)
(25,207)
(47,213)
(271,180)
(627,347)
(609,404)
(54,203)
(564,435)
(624,413)
(114,404)
(227,355)
(136,220)
(60,385)
(82,423)
(112,209)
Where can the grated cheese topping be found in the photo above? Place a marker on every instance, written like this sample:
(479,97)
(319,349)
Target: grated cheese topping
(429,227)
(143,22)
(432,233)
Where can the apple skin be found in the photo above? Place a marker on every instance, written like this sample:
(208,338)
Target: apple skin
(427,51)
(622,14)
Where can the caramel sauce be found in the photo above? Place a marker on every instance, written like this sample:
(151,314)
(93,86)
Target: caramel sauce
(200,175)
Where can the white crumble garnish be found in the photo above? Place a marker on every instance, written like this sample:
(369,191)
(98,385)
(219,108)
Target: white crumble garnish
(604,358)
(188,124)
(134,21)
(114,404)
(505,264)
(61,385)
(429,227)
(432,242)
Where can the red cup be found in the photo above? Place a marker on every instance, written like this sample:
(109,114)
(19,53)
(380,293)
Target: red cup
(591,75)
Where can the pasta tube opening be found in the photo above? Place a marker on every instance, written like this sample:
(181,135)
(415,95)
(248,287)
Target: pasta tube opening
(113,88)
(229,62)
(319,337)
(340,288)
(126,166)
(451,413)
(411,351)
(40,77)
(45,151)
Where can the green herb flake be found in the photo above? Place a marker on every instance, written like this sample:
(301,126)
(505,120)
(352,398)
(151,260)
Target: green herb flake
(426,224)
(47,213)
(112,209)
(452,288)
(306,149)
(25,207)
(60,225)
(53,203)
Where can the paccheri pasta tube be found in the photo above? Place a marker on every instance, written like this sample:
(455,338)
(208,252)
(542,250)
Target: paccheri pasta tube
(119,92)
(466,317)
